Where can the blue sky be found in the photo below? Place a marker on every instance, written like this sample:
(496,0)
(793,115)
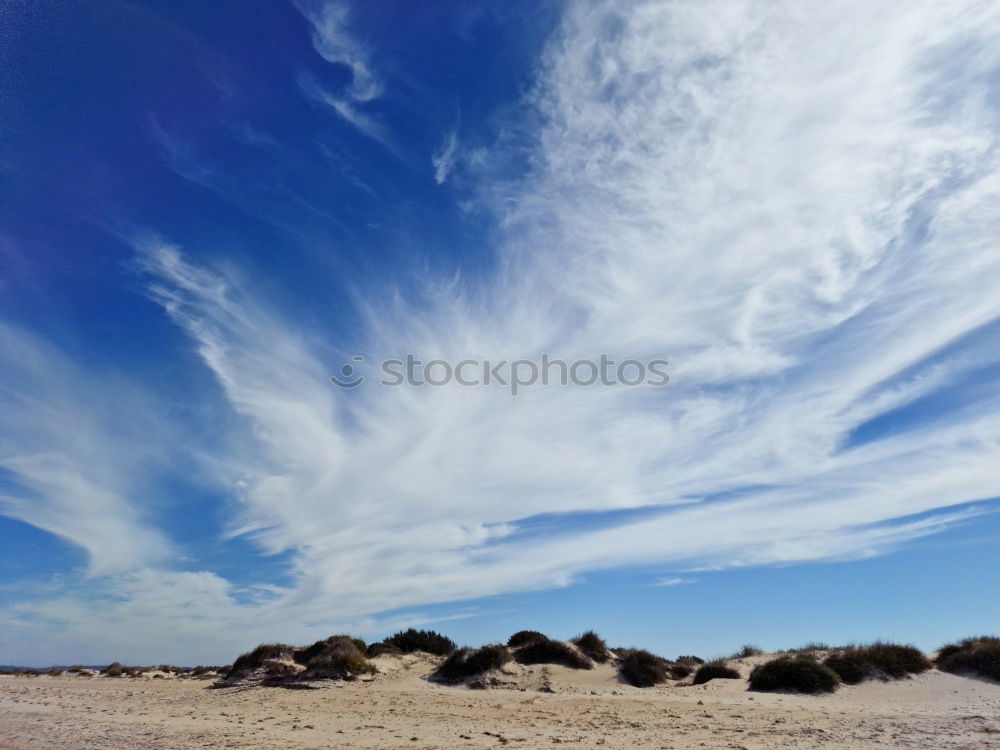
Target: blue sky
(206,211)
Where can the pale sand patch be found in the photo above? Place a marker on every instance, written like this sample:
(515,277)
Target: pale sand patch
(400,708)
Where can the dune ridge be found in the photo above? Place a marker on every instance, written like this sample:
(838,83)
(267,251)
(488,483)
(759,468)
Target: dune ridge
(406,699)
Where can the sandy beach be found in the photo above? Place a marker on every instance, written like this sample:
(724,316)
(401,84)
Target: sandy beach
(530,707)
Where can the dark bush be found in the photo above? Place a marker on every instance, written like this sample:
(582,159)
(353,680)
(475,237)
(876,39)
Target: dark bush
(552,652)
(467,662)
(848,667)
(76,669)
(255,659)
(691,661)
(113,670)
(200,670)
(412,640)
(592,646)
(336,657)
(307,654)
(896,661)
(679,671)
(378,649)
(811,646)
(641,668)
(714,671)
(879,660)
(951,649)
(975,656)
(747,651)
(277,672)
(525,638)
(802,674)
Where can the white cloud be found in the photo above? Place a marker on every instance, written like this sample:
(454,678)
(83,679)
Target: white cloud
(337,45)
(737,193)
(795,205)
(443,159)
(349,111)
(674,581)
(76,446)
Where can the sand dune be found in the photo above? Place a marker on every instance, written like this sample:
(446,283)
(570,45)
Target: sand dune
(537,706)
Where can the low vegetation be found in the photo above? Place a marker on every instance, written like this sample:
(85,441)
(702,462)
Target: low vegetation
(592,646)
(800,670)
(380,649)
(679,671)
(973,656)
(691,661)
(552,652)
(641,668)
(808,647)
(306,655)
(336,657)
(884,661)
(525,638)
(113,670)
(714,671)
(266,652)
(472,662)
(428,641)
(203,670)
(801,674)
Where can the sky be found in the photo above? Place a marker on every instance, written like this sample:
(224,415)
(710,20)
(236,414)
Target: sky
(208,210)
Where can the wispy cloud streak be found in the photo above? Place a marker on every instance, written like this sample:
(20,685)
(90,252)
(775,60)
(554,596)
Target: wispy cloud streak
(799,230)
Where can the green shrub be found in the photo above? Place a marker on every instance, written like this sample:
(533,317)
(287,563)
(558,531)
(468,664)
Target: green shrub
(641,668)
(811,646)
(378,649)
(525,638)
(592,646)
(848,667)
(713,671)
(412,640)
(307,654)
(552,652)
(679,671)
(975,656)
(802,674)
(336,657)
(200,670)
(255,659)
(691,661)
(467,662)
(879,660)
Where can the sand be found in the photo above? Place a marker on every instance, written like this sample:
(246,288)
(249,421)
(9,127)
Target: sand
(401,709)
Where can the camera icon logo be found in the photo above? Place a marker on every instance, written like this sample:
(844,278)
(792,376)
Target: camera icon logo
(348,374)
